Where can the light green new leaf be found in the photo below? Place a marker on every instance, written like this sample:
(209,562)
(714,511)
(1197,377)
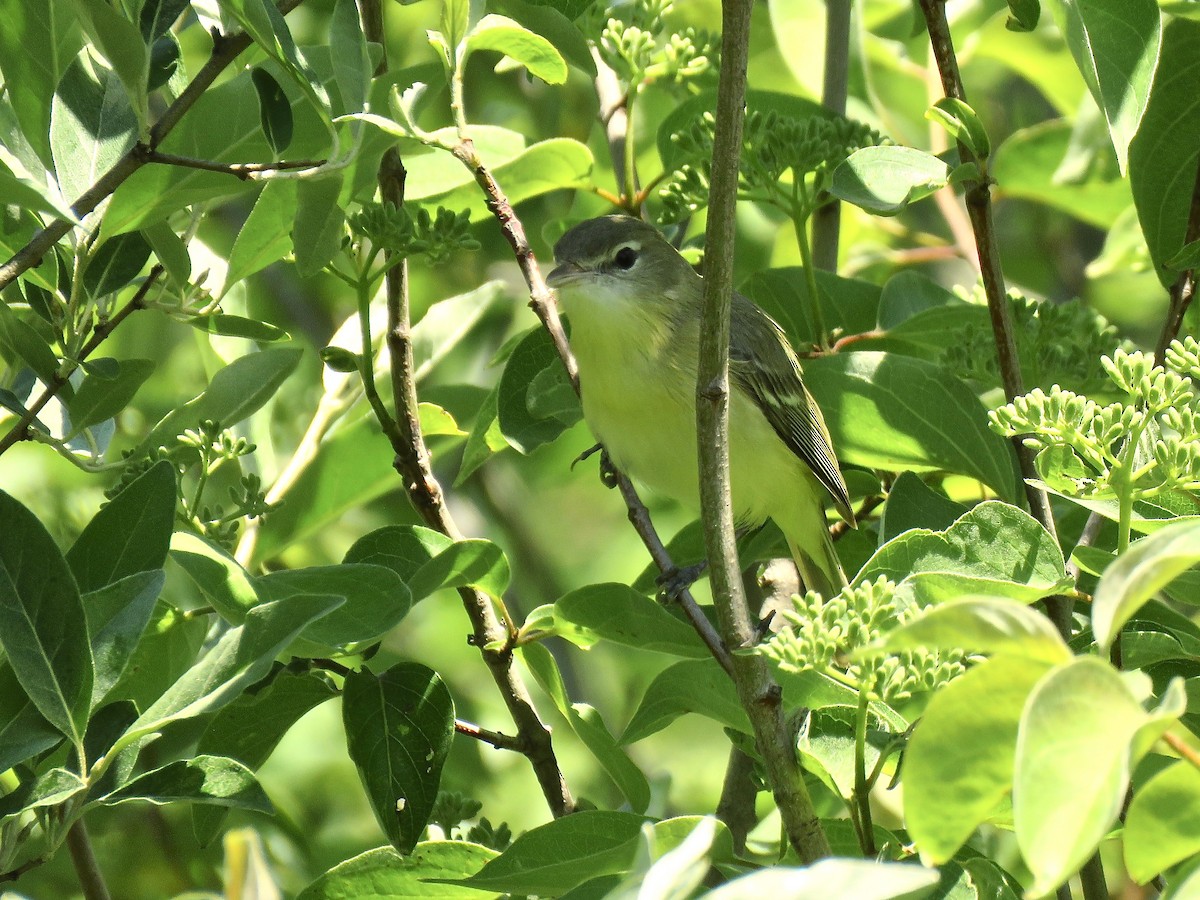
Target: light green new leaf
(1162,826)
(47,789)
(43,628)
(958,766)
(884,180)
(1141,572)
(317,231)
(962,123)
(618,613)
(399,726)
(385,874)
(1115,44)
(531,50)
(215,780)
(267,235)
(692,686)
(91,126)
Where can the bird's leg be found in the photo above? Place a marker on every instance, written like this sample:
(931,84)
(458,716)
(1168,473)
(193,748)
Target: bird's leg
(677,580)
(608,472)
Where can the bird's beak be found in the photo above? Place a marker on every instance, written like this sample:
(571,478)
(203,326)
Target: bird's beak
(564,273)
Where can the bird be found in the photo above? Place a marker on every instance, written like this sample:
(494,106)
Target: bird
(633,304)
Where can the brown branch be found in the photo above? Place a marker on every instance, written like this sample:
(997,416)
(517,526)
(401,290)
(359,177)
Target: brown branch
(757,690)
(738,790)
(1180,746)
(978,199)
(244,171)
(225,50)
(20,431)
(495,738)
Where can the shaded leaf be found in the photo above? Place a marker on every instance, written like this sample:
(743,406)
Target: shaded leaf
(91,126)
(99,399)
(884,180)
(692,686)
(117,615)
(317,230)
(213,780)
(218,576)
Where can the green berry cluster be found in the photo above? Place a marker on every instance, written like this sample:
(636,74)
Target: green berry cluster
(638,45)
(397,229)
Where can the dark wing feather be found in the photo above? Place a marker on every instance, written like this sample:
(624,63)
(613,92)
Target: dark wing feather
(763,364)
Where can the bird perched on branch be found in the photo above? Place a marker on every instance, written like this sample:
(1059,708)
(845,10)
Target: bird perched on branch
(635,306)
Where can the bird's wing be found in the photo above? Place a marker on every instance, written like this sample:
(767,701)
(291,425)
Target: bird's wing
(764,365)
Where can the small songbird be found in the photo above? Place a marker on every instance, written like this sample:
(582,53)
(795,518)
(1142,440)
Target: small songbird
(634,306)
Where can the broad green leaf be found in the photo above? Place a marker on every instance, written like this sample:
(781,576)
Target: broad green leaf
(376,599)
(24,732)
(892,412)
(404,549)
(524,427)
(240,658)
(827,748)
(468,563)
(1140,573)
(554,22)
(962,123)
(1025,166)
(43,629)
(351,65)
(620,614)
(1115,44)
(994,625)
(691,686)
(484,439)
(16,232)
(218,576)
(589,727)
(116,263)
(846,303)
(238,326)
(266,237)
(437,421)
(884,180)
(263,21)
(1024,15)
(233,393)
(399,726)
(911,503)
(30,196)
(531,50)
(861,879)
(958,766)
(250,728)
(120,40)
(1186,259)
(1074,750)
(23,342)
(385,874)
(994,549)
(168,648)
(117,616)
(215,780)
(555,857)
(91,126)
(50,788)
(274,110)
(37,43)
(98,399)
(1162,825)
(317,230)
(1162,158)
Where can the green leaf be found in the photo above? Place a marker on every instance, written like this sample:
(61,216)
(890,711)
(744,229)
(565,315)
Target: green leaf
(17,230)
(555,857)
(399,726)
(620,614)
(484,439)
(556,25)
(100,399)
(1024,15)
(171,251)
(858,878)
(1162,158)
(896,413)
(37,43)
(31,196)
(168,648)
(43,630)
(233,393)
(884,180)
(468,563)
(215,780)
(404,549)
(376,599)
(23,342)
(120,40)
(911,503)
(958,766)
(348,47)
(691,686)
(250,728)
(1162,826)
(238,326)
(994,549)
(1139,574)
(531,50)
(827,748)
(1115,44)
(962,123)
(267,235)
(47,789)
(218,576)
(993,625)
(1072,766)
(117,616)
(523,426)
(318,228)
(384,874)
(274,110)
(589,727)
(115,264)
(91,127)
(1186,259)
(240,658)
(437,421)
(263,21)
(24,732)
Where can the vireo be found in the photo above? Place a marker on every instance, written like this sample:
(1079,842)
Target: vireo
(634,305)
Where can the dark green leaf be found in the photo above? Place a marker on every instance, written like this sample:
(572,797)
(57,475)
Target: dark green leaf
(168,647)
(693,686)
(884,180)
(468,563)
(238,326)
(339,359)
(91,126)
(274,110)
(117,615)
(1186,259)
(620,614)
(399,726)
(1025,15)
(384,873)
(171,251)
(523,428)
(214,780)
(351,65)
(317,230)
(43,630)
(99,399)
(120,40)
(116,263)
(405,549)
(911,503)
(22,341)
(24,732)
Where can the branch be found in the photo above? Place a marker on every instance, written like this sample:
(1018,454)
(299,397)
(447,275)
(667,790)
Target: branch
(978,199)
(495,738)
(225,50)
(827,220)
(1184,288)
(244,171)
(1181,747)
(20,431)
(91,879)
(760,696)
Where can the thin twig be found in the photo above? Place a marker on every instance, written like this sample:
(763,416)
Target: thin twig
(838,529)
(760,696)
(91,879)
(1180,746)
(244,171)
(226,48)
(21,430)
(495,738)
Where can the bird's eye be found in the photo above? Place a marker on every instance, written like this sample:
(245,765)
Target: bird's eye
(625,258)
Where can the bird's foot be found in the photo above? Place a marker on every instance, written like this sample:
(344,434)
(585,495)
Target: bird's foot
(678,580)
(608,472)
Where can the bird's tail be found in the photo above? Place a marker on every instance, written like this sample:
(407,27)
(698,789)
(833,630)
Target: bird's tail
(814,553)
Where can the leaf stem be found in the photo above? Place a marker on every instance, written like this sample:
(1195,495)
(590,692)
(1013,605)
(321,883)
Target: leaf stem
(862,787)
(244,171)
(91,879)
